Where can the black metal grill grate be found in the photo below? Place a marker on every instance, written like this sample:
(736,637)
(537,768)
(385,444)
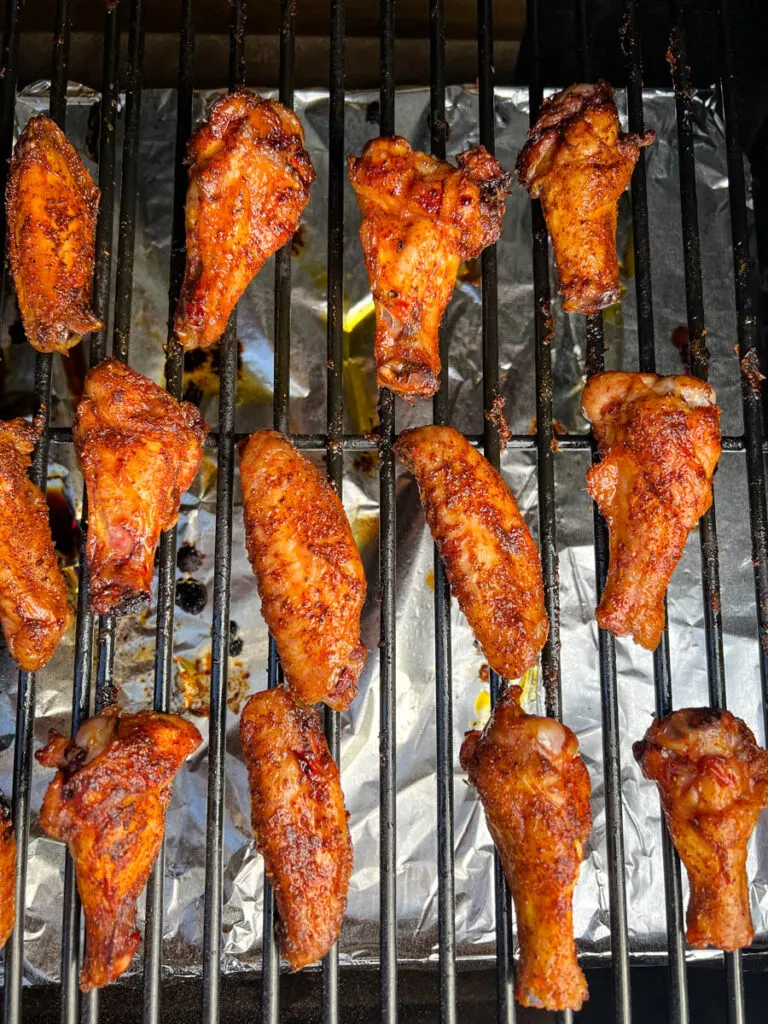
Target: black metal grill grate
(334,443)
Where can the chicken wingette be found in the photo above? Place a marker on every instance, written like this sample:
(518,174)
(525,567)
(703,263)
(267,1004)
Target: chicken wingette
(7,875)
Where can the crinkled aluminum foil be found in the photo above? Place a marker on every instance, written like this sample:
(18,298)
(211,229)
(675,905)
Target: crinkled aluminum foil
(416,809)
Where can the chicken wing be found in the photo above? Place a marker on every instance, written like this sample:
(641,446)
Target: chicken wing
(299,821)
(578,162)
(421,218)
(660,442)
(249,179)
(51,205)
(7,875)
(108,801)
(307,568)
(139,450)
(34,609)
(713,782)
(535,791)
(489,555)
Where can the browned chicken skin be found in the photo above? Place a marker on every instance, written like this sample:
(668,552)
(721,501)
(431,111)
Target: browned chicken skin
(421,218)
(249,179)
(299,821)
(535,791)
(139,450)
(108,802)
(713,782)
(660,442)
(307,568)
(7,875)
(34,609)
(51,205)
(578,162)
(489,555)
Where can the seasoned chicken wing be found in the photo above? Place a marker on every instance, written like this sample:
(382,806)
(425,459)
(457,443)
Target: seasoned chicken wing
(713,782)
(299,821)
(51,205)
(249,179)
(34,609)
(660,442)
(307,568)
(7,875)
(108,802)
(489,555)
(535,791)
(578,162)
(421,218)
(139,450)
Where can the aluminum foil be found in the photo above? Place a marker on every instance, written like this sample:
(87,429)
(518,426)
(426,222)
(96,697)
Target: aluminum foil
(416,782)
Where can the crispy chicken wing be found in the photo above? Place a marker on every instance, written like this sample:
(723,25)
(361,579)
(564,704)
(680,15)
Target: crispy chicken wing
(489,555)
(51,205)
(299,821)
(713,782)
(421,218)
(34,609)
(535,791)
(249,179)
(307,568)
(578,162)
(7,875)
(660,442)
(139,450)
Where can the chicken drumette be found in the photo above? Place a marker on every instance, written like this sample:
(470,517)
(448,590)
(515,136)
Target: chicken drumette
(535,791)
(139,450)
(578,162)
(7,875)
(713,782)
(660,442)
(421,218)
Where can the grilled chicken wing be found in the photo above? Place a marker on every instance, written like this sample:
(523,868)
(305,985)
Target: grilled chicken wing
(249,179)
(535,791)
(660,442)
(578,162)
(139,450)
(51,205)
(7,875)
(34,609)
(713,782)
(307,568)
(489,555)
(108,802)
(299,821)
(421,218)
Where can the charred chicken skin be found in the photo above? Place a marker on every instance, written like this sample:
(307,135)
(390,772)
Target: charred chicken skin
(713,782)
(307,568)
(7,875)
(107,801)
(139,450)
(578,162)
(34,609)
(421,218)
(249,179)
(51,205)
(490,558)
(660,442)
(535,791)
(299,821)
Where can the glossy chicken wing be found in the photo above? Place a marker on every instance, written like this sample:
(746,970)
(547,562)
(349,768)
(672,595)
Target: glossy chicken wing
(578,162)
(421,218)
(660,442)
(299,822)
(307,568)
(249,179)
(51,205)
(139,450)
(713,782)
(535,791)
(7,875)
(34,609)
(489,555)
(108,801)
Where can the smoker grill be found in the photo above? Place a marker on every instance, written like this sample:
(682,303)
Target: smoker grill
(95,639)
